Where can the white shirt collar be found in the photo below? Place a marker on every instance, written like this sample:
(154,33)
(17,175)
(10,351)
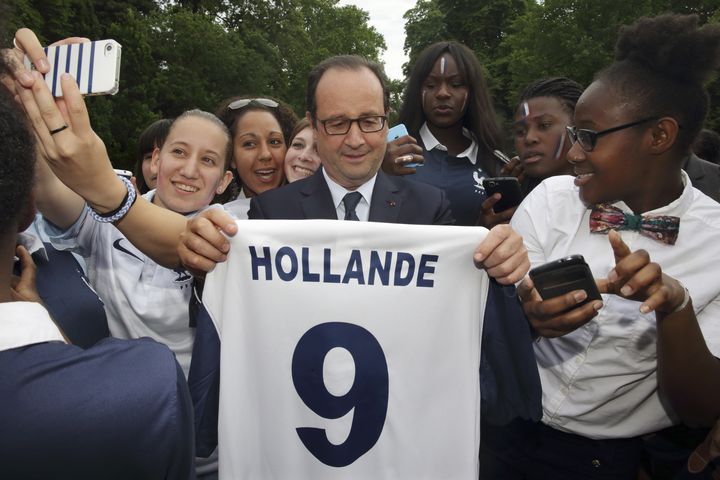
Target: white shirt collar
(338,192)
(431,143)
(32,243)
(26,323)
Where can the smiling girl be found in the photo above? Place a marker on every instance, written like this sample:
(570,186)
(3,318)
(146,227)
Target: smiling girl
(644,357)
(301,159)
(143,299)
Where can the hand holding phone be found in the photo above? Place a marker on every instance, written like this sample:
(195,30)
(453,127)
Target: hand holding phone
(95,66)
(563,276)
(400,131)
(508,188)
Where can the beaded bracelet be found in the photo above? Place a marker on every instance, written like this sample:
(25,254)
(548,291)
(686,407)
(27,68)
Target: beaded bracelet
(117,214)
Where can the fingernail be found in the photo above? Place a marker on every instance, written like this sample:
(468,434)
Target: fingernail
(479,257)
(597,305)
(226,247)
(612,276)
(626,290)
(644,308)
(43,64)
(579,296)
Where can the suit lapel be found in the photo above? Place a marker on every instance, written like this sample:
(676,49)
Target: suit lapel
(386,200)
(317,202)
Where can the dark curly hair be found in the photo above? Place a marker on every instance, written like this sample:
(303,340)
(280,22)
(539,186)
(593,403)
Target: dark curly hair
(480,117)
(17,160)
(284,115)
(565,90)
(661,66)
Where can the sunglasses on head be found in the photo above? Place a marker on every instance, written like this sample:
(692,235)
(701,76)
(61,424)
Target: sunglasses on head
(588,138)
(237,104)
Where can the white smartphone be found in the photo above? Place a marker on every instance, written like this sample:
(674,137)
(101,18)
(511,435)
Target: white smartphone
(94,65)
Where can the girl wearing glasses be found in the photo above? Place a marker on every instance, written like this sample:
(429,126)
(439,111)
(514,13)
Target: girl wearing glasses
(261,128)
(453,129)
(643,358)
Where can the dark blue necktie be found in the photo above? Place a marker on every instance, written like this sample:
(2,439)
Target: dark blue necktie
(351,200)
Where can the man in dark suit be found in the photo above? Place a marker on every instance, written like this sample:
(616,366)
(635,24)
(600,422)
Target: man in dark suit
(704,175)
(347,102)
(118,410)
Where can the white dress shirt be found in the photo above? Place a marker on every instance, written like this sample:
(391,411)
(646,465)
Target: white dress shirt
(600,381)
(338,192)
(26,323)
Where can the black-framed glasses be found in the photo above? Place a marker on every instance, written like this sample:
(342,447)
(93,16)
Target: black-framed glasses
(341,126)
(237,104)
(588,138)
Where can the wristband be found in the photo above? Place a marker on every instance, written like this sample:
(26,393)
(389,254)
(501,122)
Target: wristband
(685,301)
(117,214)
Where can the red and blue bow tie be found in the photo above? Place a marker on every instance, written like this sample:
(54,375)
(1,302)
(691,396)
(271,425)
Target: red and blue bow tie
(663,228)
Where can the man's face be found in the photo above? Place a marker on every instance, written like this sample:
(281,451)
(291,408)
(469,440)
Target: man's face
(353,158)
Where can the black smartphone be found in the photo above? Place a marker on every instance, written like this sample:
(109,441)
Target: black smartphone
(508,187)
(565,275)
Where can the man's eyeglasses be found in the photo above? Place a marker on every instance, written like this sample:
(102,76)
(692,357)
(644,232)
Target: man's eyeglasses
(237,104)
(341,126)
(588,138)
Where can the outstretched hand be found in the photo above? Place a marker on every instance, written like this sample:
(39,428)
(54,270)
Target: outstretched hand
(637,278)
(65,137)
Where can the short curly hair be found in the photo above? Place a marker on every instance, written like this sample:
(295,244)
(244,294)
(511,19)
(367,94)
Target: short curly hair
(661,66)
(17,159)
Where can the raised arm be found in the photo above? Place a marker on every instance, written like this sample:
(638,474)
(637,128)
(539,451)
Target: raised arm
(688,374)
(79,159)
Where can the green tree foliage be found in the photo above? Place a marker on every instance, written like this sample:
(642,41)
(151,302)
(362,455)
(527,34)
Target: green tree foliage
(519,41)
(482,26)
(424,25)
(192,54)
